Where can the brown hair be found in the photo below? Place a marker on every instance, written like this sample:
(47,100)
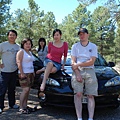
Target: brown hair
(24,41)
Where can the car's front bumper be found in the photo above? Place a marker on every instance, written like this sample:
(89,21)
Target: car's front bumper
(57,97)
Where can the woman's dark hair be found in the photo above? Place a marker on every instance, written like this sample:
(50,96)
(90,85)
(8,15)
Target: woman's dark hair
(24,41)
(41,40)
(12,31)
(57,30)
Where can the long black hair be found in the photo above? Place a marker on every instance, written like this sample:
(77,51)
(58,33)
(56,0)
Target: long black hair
(41,39)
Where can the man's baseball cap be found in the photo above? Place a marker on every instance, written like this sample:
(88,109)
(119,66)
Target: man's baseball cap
(83,30)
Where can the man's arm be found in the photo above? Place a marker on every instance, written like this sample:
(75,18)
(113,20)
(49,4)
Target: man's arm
(73,62)
(87,63)
(83,64)
(75,69)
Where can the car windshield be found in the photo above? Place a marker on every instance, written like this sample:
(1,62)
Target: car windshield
(100,61)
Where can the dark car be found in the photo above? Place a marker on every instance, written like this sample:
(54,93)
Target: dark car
(58,90)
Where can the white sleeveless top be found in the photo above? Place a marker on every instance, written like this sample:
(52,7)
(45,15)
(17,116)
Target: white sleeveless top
(27,63)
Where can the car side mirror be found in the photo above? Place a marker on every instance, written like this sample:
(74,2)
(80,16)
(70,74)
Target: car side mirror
(111,64)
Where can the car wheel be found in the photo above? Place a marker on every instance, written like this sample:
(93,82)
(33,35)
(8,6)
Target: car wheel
(115,106)
(42,98)
(42,104)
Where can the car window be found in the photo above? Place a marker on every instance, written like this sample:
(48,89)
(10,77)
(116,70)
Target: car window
(37,62)
(68,61)
(69,52)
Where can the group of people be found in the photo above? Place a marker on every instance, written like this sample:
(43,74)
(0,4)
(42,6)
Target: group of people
(20,59)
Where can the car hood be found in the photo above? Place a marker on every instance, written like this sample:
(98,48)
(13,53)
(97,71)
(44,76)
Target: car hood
(103,72)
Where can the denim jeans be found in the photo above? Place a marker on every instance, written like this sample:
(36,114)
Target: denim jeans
(7,83)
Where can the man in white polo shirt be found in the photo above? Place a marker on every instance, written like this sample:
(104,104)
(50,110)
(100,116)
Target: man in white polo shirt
(84,54)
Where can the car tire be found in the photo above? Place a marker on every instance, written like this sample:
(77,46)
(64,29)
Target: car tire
(115,106)
(42,104)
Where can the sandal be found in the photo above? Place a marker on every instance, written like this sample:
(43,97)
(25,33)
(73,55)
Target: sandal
(24,111)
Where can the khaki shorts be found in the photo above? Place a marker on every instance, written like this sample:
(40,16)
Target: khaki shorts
(28,81)
(89,85)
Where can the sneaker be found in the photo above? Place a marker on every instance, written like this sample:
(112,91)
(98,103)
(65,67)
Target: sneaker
(14,106)
(0,110)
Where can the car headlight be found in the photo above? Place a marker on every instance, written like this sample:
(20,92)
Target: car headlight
(53,82)
(113,82)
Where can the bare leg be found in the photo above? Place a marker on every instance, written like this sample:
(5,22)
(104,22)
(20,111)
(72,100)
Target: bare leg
(91,106)
(26,98)
(78,76)
(41,70)
(46,74)
(23,95)
(78,104)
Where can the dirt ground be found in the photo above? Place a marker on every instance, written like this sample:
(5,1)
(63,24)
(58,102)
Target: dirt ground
(52,112)
(13,114)
(46,113)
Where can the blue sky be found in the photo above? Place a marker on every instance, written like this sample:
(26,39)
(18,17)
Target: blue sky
(60,8)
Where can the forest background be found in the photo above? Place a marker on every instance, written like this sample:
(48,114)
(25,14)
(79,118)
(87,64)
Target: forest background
(103,25)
